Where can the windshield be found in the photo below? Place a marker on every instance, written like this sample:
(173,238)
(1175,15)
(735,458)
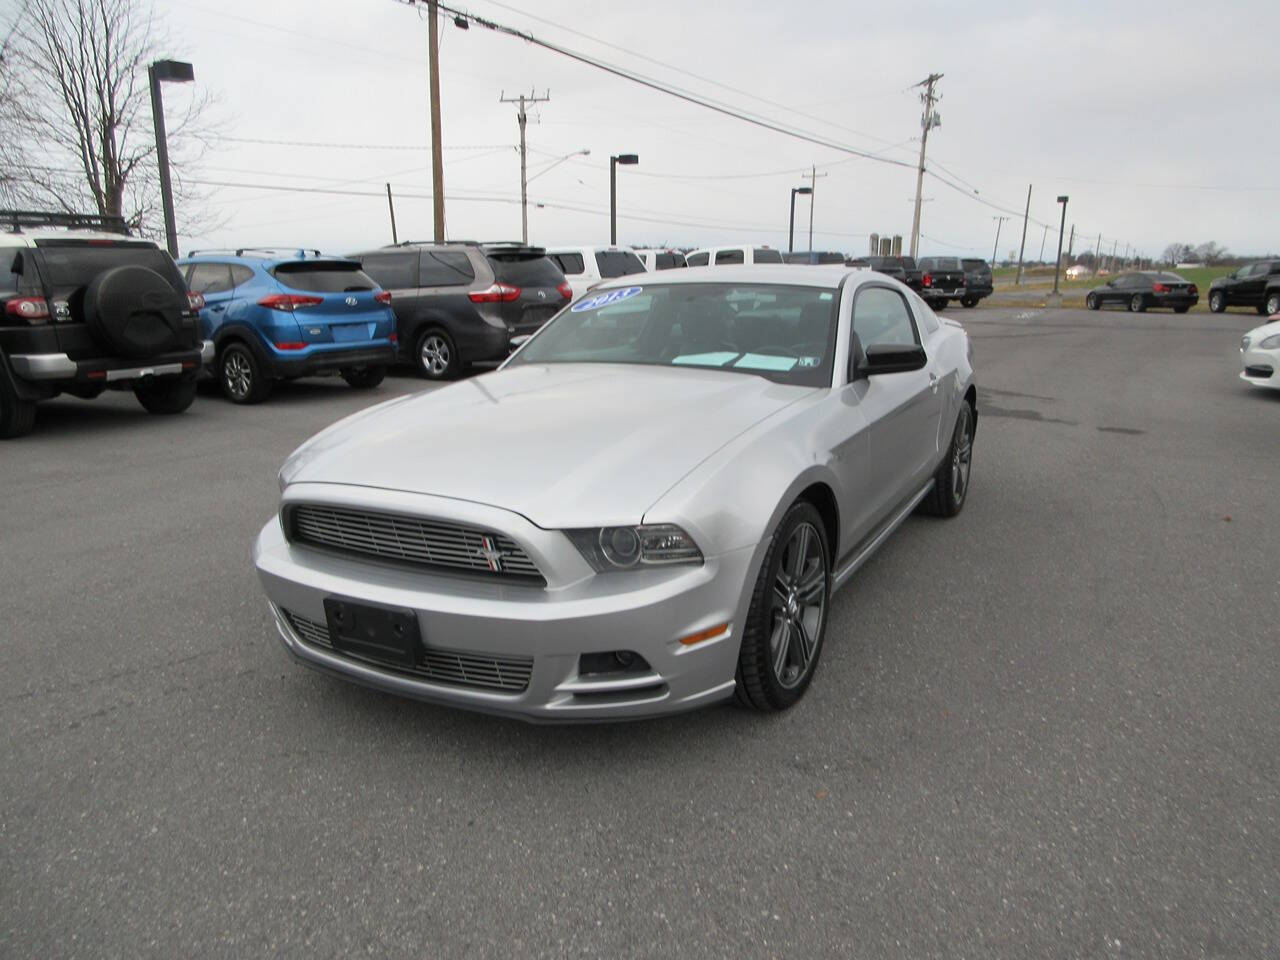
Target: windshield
(784,333)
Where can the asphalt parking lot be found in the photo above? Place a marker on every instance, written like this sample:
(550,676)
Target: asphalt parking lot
(1046,728)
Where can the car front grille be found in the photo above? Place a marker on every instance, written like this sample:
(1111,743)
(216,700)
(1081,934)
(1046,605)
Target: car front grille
(480,671)
(418,541)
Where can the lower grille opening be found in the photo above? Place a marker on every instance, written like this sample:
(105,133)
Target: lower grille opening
(1262,371)
(653,691)
(455,668)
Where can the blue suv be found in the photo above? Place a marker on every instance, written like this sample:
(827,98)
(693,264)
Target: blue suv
(275,315)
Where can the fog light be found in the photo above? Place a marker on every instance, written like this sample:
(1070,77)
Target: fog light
(612,662)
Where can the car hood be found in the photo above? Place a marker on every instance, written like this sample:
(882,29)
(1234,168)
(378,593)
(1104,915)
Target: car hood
(563,445)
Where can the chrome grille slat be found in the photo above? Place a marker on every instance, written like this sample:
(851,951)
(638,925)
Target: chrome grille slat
(404,539)
(453,667)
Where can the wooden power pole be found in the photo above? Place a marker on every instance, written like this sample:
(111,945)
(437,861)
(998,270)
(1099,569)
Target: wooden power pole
(522,117)
(437,153)
(928,120)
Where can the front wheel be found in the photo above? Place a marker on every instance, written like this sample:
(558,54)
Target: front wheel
(782,637)
(166,395)
(1137,303)
(363,378)
(1092,301)
(1272,306)
(1217,302)
(951,481)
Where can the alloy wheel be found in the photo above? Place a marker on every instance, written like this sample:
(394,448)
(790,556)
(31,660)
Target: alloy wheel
(799,606)
(962,455)
(435,355)
(1273,304)
(237,374)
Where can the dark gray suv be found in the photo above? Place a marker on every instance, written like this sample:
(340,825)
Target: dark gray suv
(462,302)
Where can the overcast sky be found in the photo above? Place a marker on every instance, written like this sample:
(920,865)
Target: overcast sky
(1157,119)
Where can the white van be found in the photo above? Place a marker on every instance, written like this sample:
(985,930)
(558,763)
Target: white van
(718,256)
(584,267)
(660,259)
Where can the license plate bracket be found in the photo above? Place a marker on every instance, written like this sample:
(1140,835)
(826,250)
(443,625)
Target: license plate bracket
(383,634)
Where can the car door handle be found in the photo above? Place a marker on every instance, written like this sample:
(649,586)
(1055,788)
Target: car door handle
(933,382)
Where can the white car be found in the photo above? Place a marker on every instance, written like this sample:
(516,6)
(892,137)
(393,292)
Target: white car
(733,256)
(660,259)
(584,267)
(1260,355)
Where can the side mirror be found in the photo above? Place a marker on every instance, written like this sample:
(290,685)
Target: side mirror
(889,358)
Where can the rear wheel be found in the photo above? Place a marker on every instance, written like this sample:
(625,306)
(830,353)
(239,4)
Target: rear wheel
(969,302)
(363,378)
(1217,302)
(166,395)
(1092,301)
(241,376)
(17,417)
(782,637)
(1181,309)
(1137,303)
(436,356)
(951,482)
(1273,303)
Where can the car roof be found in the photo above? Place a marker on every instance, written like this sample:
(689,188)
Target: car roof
(828,276)
(28,238)
(267,259)
(593,248)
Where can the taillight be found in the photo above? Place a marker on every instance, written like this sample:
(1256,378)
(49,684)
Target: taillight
(30,309)
(498,293)
(195,300)
(566,291)
(393,337)
(927,280)
(383,296)
(289,302)
(1160,288)
(1194,290)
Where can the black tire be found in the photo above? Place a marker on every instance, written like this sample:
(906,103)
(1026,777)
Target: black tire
(1262,309)
(436,356)
(1092,302)
(968,303)
(1217,302)
(1181,309)
(951,481)
(363,378)
(134,311)
(167,394)
(17,417)
(1272,306)
(240,375)
(770,634)
(1137,303)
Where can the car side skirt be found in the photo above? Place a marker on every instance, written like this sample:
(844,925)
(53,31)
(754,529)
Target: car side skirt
(862,553)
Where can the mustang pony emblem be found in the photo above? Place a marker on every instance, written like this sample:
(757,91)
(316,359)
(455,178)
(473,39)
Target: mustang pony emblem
(490,553)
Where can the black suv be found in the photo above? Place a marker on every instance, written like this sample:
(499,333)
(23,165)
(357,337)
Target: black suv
(461,302)
(977,281)
(1255,285)
(84,308)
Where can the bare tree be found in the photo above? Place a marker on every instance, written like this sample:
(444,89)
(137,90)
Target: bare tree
(77,107)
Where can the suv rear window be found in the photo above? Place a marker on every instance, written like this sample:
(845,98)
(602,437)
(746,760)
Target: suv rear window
(320,276)
(767,256)
(942,263)
(975,264)
(618,263)
(69,266)
(526,271)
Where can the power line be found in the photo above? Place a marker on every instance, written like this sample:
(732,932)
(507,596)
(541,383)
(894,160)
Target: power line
(332,145)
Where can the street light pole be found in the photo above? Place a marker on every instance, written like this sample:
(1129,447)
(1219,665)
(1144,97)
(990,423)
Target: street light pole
(626,159)
(177,72)
(1057,266)
(791,230)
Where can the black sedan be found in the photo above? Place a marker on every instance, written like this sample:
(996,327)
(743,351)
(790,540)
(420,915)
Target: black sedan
(1144,291)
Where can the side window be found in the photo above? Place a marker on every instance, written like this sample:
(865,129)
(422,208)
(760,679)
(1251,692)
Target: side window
(444,269)
(570,264)
(925,318)
(697,259)
(240,274)
(761,255)
(729,256)
(210,278)
(880,315)
(392,271)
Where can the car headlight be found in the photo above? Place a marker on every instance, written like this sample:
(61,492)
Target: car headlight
(1244,343)
(625,548)
(1270,343)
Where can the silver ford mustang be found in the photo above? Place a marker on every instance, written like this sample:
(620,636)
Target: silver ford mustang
(644,510)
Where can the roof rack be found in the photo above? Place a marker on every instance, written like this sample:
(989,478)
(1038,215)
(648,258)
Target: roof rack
(108,223)
(299,252)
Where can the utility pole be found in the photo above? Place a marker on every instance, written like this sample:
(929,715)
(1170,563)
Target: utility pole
(392,207)
(522,117)
(437,152)
(813,189)
(1072,242)
(1097,251)
(1043,238)
(996,246)
(1025,214)
(928,120)
(1114,245)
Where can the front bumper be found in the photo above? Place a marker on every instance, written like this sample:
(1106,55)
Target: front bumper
(644,612)
(1260,367)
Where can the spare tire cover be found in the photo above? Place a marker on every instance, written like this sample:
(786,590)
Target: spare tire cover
(134,311)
